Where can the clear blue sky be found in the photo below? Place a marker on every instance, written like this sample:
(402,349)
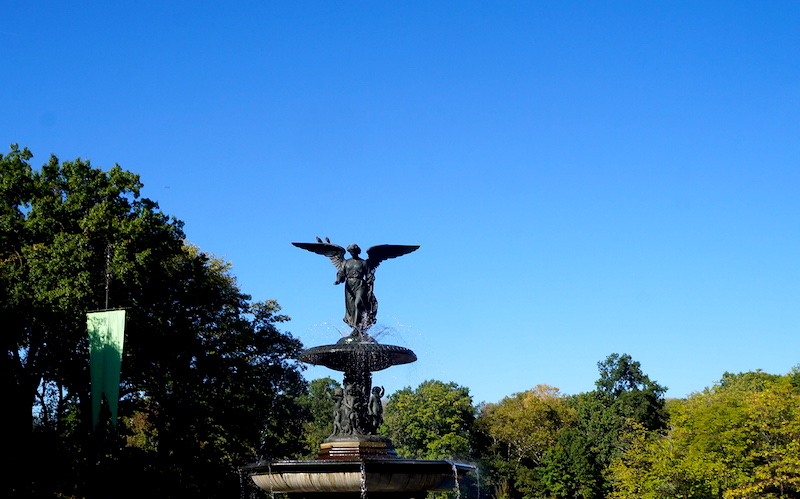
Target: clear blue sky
(583,178)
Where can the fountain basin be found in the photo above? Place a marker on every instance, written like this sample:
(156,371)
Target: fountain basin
(395,478)
(368,356)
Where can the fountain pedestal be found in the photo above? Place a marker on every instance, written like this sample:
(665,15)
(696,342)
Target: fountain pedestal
(363,448)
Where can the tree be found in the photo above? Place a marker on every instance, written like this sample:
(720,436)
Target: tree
(526,423)
(432,422)
(774,429)
(58,226)
(653,467)
(204,368)
(318,405)
(569,469)
(624,395)
(738,439)
(521,430)
(625,398)
(629,392)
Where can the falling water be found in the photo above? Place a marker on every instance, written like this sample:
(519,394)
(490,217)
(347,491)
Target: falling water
(363,480)
(455,476)
(271,492)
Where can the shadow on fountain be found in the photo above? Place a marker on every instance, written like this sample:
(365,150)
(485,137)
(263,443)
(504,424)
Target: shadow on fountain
(356,462)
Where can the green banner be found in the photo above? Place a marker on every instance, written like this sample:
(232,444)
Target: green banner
(106,335)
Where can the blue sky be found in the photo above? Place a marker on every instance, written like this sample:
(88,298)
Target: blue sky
(583,178)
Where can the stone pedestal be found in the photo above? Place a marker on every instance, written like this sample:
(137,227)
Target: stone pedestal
(379,449)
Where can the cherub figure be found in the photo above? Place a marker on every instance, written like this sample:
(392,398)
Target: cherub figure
(338,396)
(375,408)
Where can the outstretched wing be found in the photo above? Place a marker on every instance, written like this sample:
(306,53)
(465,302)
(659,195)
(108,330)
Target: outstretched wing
(377,254)
(332,251)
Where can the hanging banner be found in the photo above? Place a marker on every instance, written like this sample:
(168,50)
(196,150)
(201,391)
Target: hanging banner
(106,335)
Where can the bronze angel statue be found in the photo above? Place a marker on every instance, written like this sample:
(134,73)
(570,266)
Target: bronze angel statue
(358,276)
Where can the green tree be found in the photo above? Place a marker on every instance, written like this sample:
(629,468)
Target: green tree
(434,421)
(653,467)
(630,393)
(318,405)
(773,425)
(521,429)
(205,370)
(527,423)
(624,398)
(738,439)
(58,226)
(753,381)
(569,469)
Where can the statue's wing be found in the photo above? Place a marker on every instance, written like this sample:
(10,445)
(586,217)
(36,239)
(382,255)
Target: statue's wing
(377,254)
(333,251)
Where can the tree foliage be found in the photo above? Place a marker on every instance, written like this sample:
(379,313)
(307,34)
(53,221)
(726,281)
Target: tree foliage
(527,423)
(624,398)
(569,469)
(542,444)
(738,439)
(520,431)
(318,405)
(206,373)
(434,421)
(629,393)
(624,395)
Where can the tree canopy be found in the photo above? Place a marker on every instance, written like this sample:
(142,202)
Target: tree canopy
(206,374)
(519,432)
(433,421)
(318,405)
(540,443)
(738,439)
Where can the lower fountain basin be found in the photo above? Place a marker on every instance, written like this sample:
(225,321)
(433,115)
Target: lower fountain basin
(395,478)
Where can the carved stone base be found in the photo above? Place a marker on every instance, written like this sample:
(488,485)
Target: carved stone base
(381,449)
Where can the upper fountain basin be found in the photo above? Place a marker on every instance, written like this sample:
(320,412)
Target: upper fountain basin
(369,356)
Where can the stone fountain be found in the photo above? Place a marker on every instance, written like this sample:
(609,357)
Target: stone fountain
(355,461)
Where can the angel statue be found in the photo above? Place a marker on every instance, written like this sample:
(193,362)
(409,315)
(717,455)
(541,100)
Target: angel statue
(358,276)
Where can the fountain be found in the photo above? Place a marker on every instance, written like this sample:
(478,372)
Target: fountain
(356,462)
